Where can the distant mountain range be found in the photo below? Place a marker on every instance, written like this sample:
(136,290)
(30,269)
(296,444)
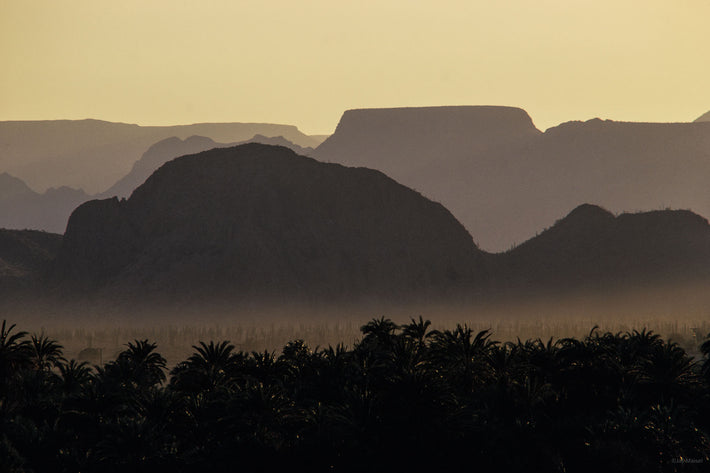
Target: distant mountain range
(490,166)
(258,225)
(23,208)
(93,154)
(504,179)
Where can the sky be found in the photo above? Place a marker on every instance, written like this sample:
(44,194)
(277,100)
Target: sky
(160,62)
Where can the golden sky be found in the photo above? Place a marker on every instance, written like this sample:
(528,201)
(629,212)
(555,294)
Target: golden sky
(303,62)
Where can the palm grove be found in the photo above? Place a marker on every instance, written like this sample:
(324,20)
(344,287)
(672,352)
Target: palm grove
(402,398)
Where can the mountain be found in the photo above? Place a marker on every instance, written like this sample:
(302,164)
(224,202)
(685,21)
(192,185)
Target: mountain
(257,222)
(454,155)
(409,140)
(591,248)
(619,166)
(319,138)
(279,141)
(157,155)
(171,148)
(24,256)
(94,154)
(504,180)
(23,208)
(704,118)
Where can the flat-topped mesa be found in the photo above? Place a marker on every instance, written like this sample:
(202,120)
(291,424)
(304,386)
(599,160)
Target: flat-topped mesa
(413,120)
(424,130)
(256,222)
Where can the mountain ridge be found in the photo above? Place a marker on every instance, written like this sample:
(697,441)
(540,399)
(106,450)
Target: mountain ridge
(93,154)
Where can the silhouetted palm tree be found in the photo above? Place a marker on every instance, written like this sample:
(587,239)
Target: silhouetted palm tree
(74,376)
(15,356)
(141,363)
(379,332)
(668,373)
(211,367)
(463,356)
(46,353)
(417,329)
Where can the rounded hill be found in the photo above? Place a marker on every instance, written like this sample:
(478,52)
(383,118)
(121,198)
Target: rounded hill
(261,223)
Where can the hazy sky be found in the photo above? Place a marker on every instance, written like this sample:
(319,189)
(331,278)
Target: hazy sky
(304,62)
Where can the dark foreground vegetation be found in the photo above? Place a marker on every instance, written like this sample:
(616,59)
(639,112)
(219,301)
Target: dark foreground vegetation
(404,398)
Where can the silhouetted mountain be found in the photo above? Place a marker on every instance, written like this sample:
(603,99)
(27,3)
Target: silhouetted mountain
(280,141)
(591,248)
(12,187)
(454,155)
(94,154)
(504,180)
(24,256)
(153,158)
(23,208)
(171,148)
(257,222)
(704,118)
(319,138)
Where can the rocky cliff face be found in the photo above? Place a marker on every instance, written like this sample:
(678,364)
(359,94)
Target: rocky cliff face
(259,222)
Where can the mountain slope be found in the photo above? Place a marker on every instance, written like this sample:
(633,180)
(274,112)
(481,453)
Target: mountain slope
(258,222)
(590,248)
(704,118)
(24,256)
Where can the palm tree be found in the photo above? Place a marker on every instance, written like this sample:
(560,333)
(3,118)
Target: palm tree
(417,330)
(139,365)
(74,376)
(46,353)
(15,356)
(668,373)
(379,332)
(211,367)
(463,356)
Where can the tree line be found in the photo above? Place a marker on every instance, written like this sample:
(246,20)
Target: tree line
(403,398)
